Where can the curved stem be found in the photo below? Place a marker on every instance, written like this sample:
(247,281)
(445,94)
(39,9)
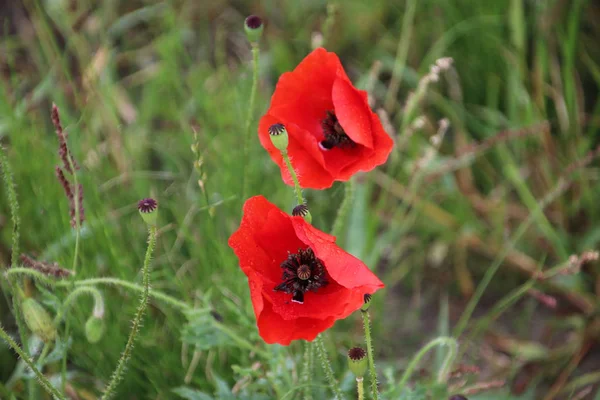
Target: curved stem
(137,321)
(44,382)
(360,387)
(326,364)
(98,302)
(342,214)
(180,305)
(297,188)
(446,365)
(369,342)
(255,52)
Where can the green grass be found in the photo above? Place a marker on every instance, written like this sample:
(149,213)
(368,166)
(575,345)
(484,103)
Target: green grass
(133,81)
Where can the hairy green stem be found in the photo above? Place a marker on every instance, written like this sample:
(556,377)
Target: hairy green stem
(137,321)
(342,215)
(9,184)
(307,370)
(98,301)
(326,364)
(297,188)
(44,382)
(255,53)
(360,387)
(369,343)
(446,365)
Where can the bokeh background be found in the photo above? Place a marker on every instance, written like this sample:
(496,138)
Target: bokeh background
(458,223)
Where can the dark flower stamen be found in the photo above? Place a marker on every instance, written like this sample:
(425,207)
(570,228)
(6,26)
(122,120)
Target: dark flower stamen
(302,271)
(147,205)
(334,134)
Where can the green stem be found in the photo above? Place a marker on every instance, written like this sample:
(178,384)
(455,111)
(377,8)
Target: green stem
(137,321)
(369,342)
(255,52)
(360,387)
(44,382)
(307,370)
(297,188)
(98,301)
(344,209)
(326,364)
(77,212)
(180,305)
(446,365)
(9,184)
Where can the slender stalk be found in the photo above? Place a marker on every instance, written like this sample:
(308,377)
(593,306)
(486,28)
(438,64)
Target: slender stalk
(137,321)
(77,213)
(297,188)
(342,215)
(326,364)
(360,387)
(369,343)
(255,53)
(98,301)
(307,370)
(44,382)
(13,284)
(178,304)
(446,365)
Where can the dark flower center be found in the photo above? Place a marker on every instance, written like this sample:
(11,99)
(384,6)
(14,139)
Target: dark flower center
(302,271)
(334,133)
(357,353)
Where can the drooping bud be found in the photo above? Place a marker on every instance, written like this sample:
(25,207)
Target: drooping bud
(253,26)
(279,136)
(367,302)
(94,329)
(38,320)
(148,210)
(357,361)
(302,211)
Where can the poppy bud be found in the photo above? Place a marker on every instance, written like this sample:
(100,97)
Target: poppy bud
(458,397)
(357,361)
(367,303)
(148,210)
(254,28)
(94,329)
(279,136)
(38,320)
(302,211)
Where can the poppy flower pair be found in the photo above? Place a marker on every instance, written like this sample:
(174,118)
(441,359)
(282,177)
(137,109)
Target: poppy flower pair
(300,281)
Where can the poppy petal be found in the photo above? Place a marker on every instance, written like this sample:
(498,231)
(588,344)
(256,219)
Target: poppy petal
(353,112)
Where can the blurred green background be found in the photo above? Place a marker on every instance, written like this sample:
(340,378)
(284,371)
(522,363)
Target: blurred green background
(510,189)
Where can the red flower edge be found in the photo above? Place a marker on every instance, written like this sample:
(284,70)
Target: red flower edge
(301,102)
(265,239)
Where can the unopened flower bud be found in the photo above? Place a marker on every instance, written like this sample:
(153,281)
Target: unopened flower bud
(94,329)
(302,211)
(148,209)
(38,320)
(254,28)
(279,136)
(357,361)
(367,302)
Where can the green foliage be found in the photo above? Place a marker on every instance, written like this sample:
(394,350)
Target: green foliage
(134,81)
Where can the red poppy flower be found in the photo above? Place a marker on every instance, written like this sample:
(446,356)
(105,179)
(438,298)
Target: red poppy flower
(333,133)
(300,281)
